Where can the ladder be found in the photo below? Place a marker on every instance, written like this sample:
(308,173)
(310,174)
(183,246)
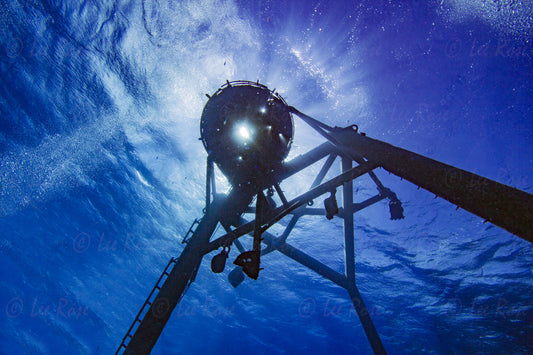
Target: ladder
(191,230)
(146,305)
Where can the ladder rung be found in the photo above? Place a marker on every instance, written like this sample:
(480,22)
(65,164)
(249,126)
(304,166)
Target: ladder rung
(191,230)
(147,302)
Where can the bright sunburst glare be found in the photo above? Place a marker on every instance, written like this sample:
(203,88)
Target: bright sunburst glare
(244,133)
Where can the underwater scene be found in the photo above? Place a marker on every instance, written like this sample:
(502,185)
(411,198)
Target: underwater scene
(109,109)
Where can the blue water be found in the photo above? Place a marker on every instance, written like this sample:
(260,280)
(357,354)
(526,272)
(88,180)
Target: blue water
(102,171)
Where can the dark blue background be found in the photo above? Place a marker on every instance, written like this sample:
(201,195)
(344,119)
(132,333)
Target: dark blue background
(102,173)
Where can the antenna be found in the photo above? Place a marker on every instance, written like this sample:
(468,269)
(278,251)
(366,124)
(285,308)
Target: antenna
(247,131)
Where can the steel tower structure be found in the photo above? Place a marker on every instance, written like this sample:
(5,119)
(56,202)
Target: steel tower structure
(247,131)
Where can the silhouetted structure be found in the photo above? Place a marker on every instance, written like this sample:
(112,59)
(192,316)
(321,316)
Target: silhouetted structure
(247,131)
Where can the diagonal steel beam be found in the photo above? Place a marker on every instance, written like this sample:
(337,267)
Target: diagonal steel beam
(301,200)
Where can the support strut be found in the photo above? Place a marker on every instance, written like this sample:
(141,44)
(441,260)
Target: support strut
(502,205)
(183,272)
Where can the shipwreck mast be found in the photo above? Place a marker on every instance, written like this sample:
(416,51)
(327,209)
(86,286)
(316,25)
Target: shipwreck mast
(247,131)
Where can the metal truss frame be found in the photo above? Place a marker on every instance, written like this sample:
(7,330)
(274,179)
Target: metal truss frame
(499,204)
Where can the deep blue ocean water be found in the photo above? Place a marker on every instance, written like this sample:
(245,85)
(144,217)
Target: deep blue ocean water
(102,171)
